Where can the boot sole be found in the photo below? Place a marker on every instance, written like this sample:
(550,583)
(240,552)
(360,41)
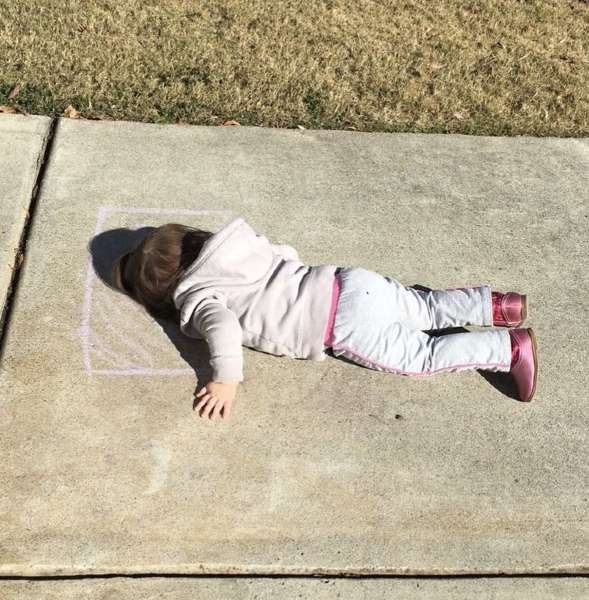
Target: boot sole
(524,308)
(535,354)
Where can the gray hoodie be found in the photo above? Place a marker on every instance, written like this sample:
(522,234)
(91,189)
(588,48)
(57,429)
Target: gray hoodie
(243,290)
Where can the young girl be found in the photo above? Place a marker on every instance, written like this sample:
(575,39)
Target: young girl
(235,288)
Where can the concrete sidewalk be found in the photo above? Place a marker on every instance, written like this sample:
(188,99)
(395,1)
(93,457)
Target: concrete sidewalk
(24,141)
(325,468)
(232,588)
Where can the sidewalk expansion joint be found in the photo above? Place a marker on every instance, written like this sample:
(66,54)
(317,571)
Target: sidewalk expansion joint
(310,575)
(270,576)
(20,255)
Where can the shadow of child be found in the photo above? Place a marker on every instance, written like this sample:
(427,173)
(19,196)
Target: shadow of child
(105,249)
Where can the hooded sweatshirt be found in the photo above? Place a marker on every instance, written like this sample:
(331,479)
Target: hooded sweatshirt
(243,290)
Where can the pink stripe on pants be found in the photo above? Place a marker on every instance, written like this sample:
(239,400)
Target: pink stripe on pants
(381,324)
(328,337)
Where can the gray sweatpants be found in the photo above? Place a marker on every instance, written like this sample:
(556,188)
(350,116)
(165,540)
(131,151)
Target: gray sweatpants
(380,323)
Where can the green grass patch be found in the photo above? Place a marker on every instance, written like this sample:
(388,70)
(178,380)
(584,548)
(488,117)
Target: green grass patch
(500,67)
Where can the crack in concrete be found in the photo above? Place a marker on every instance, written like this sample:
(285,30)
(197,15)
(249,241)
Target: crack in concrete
(267,571)
(20,251)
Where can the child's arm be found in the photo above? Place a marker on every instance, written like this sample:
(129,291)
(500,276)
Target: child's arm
(222,331)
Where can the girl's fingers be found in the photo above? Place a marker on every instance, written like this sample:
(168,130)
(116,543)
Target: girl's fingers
(201,403)
(226,410)
(209,407)
(217,410)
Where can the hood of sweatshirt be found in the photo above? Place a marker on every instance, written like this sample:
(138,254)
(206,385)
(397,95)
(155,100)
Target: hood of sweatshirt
(233,256)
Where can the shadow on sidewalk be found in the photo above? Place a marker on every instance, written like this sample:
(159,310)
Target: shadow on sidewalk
(105,248)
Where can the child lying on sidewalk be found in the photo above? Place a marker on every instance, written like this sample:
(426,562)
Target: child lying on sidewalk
(235,288)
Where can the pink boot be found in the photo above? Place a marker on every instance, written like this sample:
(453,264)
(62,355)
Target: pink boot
(524,362)
(509,310)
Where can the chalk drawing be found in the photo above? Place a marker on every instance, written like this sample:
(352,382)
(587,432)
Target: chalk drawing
(98,347)
(117,336)
(130,344)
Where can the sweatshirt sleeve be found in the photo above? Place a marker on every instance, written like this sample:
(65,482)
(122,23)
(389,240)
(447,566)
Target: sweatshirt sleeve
(219,326)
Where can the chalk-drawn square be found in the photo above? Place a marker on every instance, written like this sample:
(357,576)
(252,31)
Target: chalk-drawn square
(118,336)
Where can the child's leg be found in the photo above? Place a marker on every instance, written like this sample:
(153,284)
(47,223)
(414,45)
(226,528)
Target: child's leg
(378,324)
(399,349)
(367,293)
(437,309)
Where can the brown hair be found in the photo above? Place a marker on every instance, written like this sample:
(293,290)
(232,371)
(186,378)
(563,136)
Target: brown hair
(150,273)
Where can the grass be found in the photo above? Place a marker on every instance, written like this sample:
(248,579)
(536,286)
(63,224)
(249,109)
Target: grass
(509,67)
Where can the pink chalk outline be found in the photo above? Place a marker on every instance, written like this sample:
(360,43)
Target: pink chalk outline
(85,331)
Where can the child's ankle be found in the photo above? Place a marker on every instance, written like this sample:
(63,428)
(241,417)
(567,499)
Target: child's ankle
(514,350)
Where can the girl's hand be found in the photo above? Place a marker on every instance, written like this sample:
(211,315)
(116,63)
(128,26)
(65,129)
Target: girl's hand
(216,399)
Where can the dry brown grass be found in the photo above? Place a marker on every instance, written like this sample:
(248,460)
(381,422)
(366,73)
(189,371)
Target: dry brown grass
(496,67)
